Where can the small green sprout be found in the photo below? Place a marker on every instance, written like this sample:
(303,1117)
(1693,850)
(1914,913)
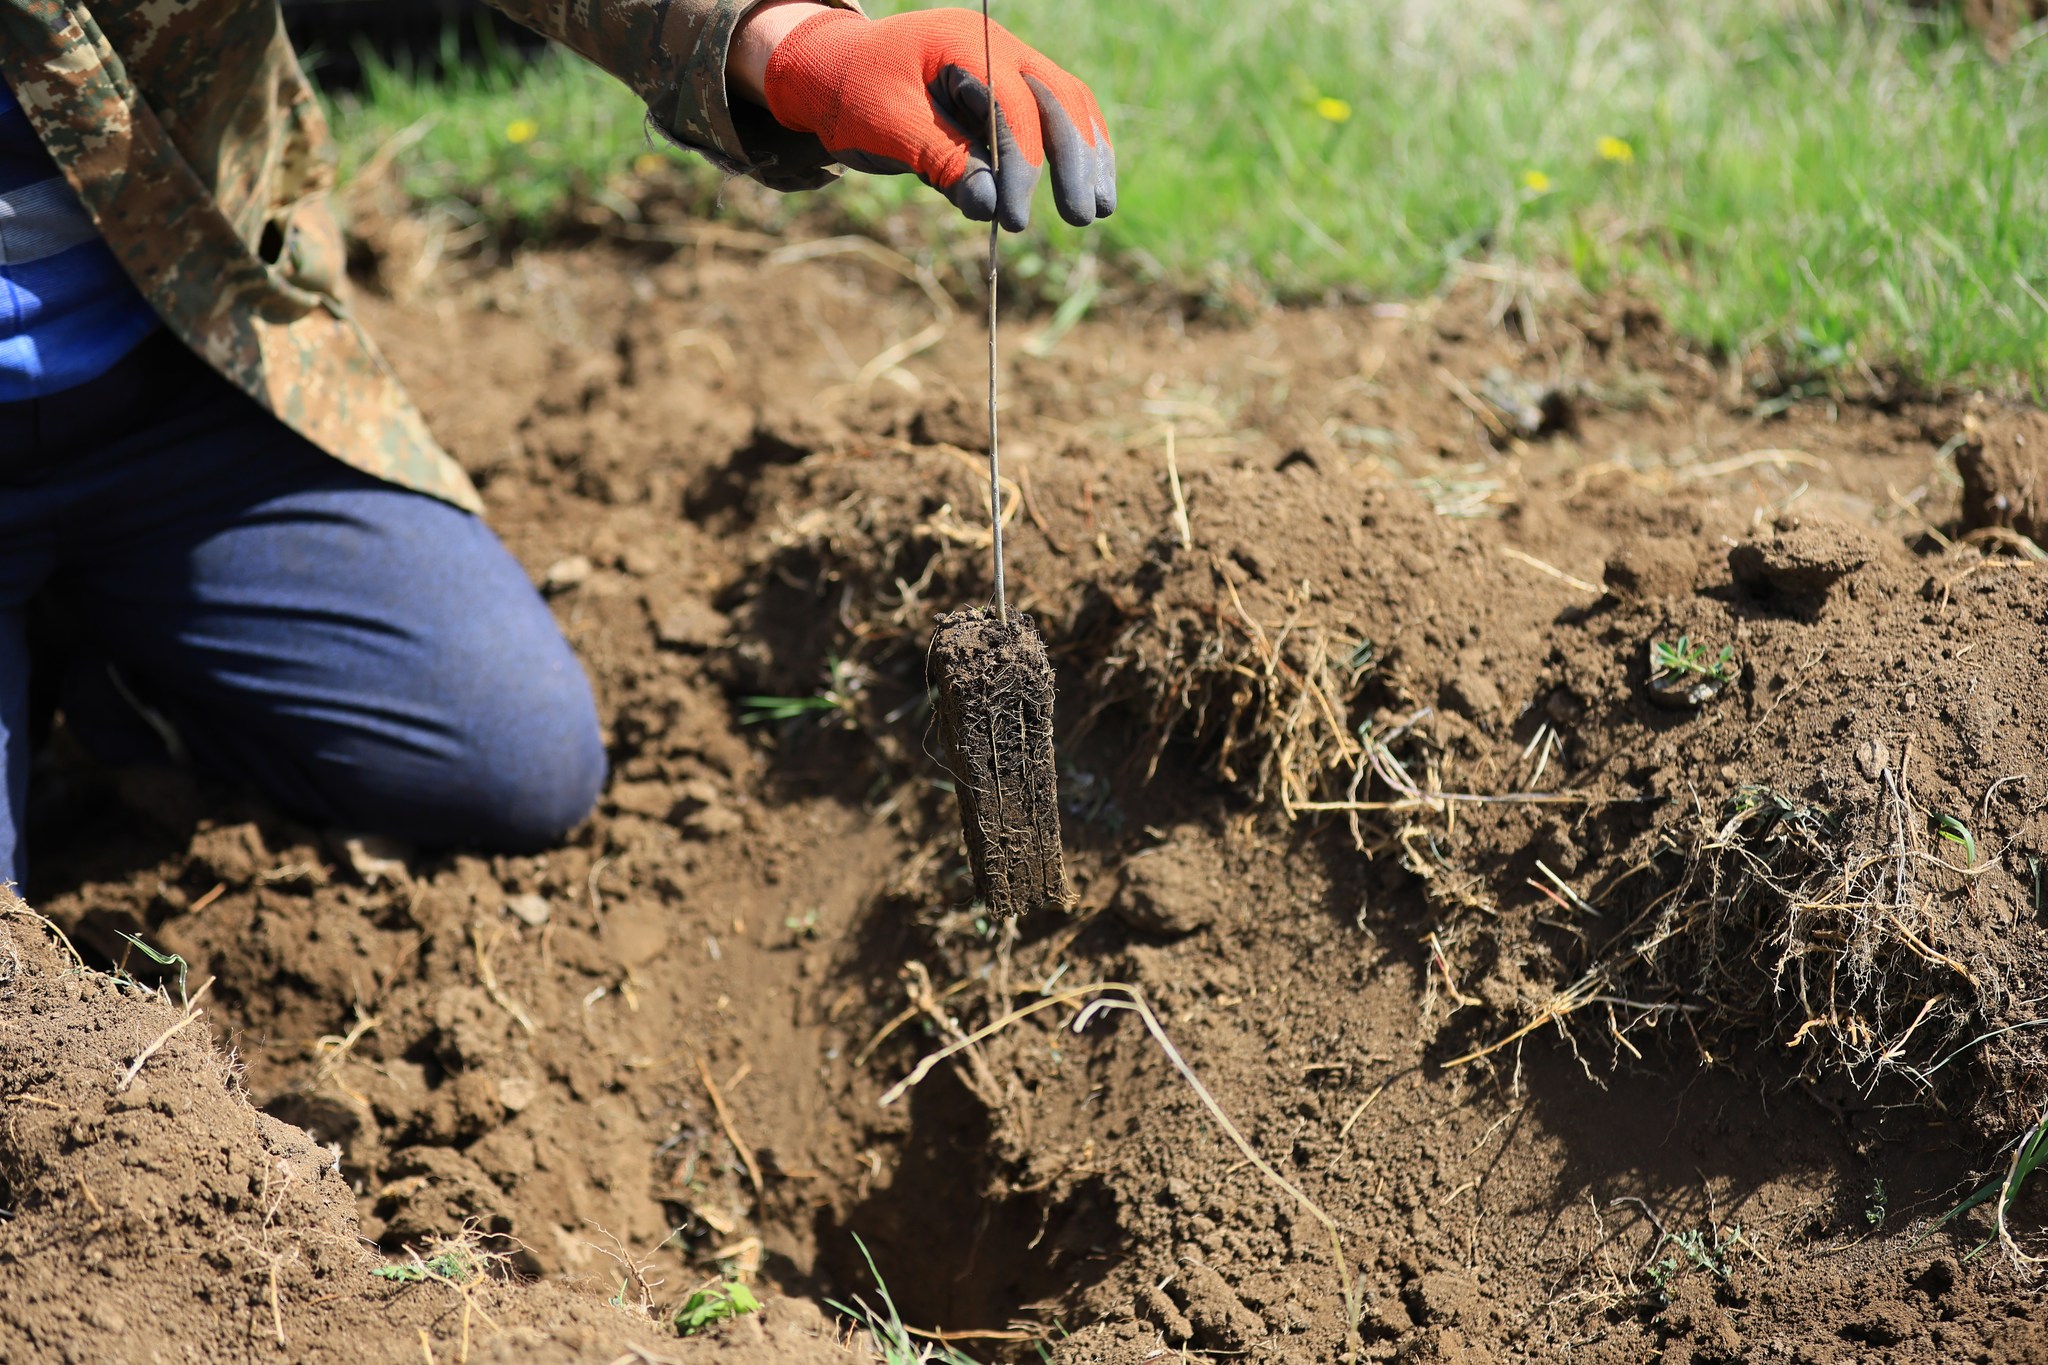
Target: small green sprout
(161,960)
(755,710)
(719,1303)
(1767,810)
(1880,1203)
(1710,1257)
(1683,658)
(456,1266)
(842,682)
(1700,1253)
(1956,832)
(1688,675)
(889,1341)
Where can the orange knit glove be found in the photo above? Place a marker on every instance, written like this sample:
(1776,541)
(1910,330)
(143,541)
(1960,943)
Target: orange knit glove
(906,95)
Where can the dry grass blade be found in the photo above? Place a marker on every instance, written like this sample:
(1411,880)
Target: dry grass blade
(732,1132)
(1551,569)
(1115,995)
(904,1016)
(334,1050)
(191,1012)
(1474,403)
(1182,528)
(2011,539)
(490,978)
(1750,460)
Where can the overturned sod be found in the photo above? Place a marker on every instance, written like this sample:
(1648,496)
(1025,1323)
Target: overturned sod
(995,694)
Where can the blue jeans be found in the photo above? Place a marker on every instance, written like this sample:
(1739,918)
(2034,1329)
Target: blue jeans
(371,658)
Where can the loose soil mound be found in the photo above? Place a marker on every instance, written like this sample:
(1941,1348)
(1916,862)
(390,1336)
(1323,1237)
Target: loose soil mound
(1608,1010)
(153,1214)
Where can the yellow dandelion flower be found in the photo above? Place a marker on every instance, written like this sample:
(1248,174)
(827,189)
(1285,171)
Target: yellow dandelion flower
(647,163)
(521,130)
(1536,182)
(1330,109)
(1612,148)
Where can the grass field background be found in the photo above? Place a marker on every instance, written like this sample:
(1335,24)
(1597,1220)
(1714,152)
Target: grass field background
(1845,184)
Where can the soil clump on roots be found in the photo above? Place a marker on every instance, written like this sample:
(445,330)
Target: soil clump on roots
(1594,857)
(993,695)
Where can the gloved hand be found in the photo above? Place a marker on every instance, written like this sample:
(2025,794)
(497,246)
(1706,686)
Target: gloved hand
(906,95)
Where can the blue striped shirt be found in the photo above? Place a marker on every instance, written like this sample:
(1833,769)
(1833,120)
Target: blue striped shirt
(68,311)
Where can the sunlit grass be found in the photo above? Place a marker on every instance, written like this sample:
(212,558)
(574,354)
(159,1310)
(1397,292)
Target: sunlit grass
(1845,185)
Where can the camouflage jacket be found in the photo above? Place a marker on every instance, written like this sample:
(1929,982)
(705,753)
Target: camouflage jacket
(190,134)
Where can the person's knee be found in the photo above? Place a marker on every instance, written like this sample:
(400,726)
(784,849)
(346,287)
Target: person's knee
(514,761)
(534,773)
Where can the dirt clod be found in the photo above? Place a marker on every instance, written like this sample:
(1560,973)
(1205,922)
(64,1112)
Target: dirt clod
(1652,567)
(2005,475)
(1218,1316)
(1171,890)
(530,909)
(1801,560)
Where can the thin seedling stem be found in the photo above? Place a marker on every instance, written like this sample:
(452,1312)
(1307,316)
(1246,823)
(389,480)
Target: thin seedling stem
(995,465)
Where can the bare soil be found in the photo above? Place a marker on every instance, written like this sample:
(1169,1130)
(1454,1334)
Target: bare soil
(1610,1012)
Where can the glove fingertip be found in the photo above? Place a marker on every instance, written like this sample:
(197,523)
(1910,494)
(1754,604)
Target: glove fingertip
(1076,201)
(974,194)
(1105,174)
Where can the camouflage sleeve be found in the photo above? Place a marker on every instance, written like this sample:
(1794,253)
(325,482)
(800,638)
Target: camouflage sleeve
(672,53)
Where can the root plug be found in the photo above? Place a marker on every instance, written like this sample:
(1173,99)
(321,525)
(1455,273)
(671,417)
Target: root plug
(995,697)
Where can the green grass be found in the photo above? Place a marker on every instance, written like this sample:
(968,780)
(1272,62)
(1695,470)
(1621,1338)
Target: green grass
(1846,185)
(2029,1155)
(889,1341)
(509,142)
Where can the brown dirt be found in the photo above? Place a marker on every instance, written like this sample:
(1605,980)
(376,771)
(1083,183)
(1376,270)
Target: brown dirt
(2004,468)
(153,1214)
(1677,1062)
